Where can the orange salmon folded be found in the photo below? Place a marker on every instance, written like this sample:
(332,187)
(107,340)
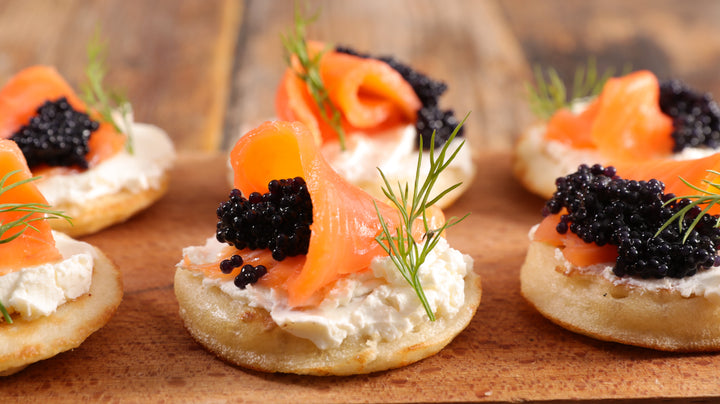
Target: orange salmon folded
(624,122)
(345,222)
(36,244)
(369,94)
(697,172)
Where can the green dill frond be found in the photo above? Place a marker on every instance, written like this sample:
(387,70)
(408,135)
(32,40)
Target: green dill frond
(398,243)
(5,314)
(31,210)
(103,101)
(550,94)
(705,197)
(295,46)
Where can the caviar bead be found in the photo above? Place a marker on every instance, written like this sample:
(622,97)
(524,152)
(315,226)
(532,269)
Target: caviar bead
(606,209)
(57,136)
(227,266)
(249,274)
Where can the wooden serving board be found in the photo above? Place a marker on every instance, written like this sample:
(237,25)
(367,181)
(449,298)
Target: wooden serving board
(508,353)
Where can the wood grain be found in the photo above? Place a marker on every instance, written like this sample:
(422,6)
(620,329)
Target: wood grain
(171,58)
(508,353)
(672,39)
(464,43)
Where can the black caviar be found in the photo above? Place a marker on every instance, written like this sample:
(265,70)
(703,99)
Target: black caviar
(249,274)
(227,266)
(606,209)
(696,116)
(57,136)
(278,220)
(430,117)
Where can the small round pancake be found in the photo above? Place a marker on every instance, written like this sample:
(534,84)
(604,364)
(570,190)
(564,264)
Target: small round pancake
(248,336)
(25,342)
(99,213)
(594,306)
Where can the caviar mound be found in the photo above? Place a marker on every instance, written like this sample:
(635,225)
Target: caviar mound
(696,116)
(344,220)
(435,126)
(57,136)
(601,208)
(28,90)
(278,220)
(35,245)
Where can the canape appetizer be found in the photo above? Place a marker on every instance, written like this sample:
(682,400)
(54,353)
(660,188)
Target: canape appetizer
(609,260)
(634,118)
(367,112)
(97,168)
(309,274)
(54,291)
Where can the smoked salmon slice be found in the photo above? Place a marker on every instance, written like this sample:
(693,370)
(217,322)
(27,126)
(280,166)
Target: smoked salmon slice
(369,94)
(36,244)
(571,129)
(670,171)
(345,222)
(25,92)
(624,122)
(575,250)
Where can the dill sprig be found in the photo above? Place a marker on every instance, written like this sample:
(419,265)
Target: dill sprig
(706,197)
(40,211)
(104,102)
(400,245)
(5,314)
(309,72)
(550,94)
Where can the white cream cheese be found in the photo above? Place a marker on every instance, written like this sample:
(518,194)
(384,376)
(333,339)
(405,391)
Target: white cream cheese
(153,154)
(377,304)
(548,159)
(39,290)
(395,153)
(705,283)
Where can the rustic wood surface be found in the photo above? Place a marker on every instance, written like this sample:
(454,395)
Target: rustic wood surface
(171,58)
(203,70)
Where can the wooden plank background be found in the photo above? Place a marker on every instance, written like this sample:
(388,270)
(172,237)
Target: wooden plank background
(204,70)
